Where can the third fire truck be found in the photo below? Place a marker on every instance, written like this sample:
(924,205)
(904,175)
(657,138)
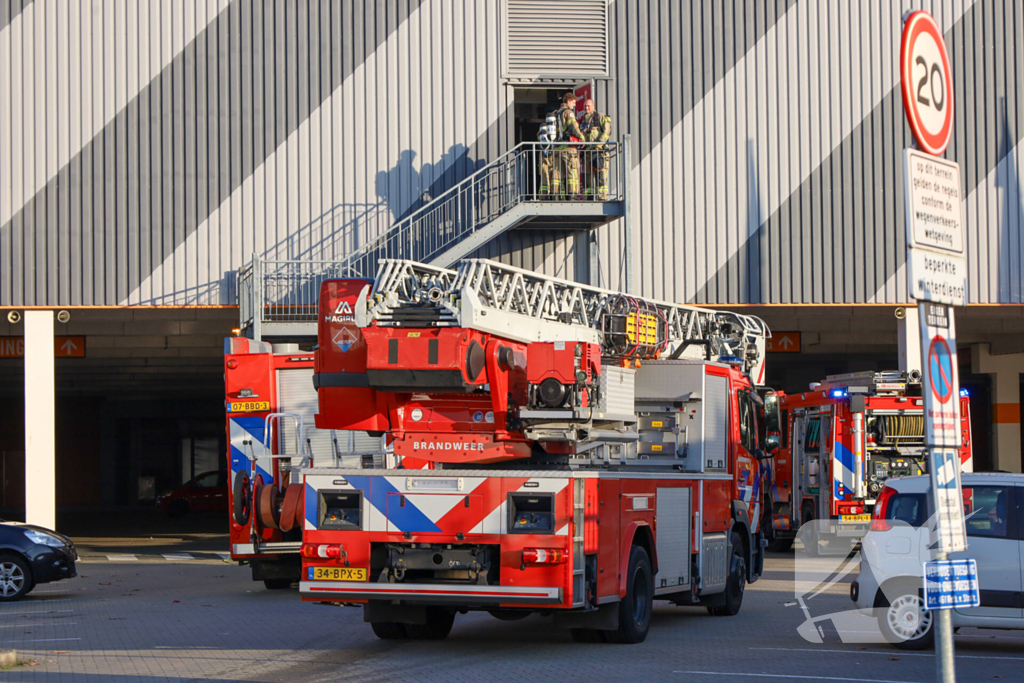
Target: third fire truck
(845,437)
(563,449)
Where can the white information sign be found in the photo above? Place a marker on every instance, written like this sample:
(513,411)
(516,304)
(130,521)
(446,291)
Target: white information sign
(941,381)
(935,229)
(944,468)
(941,278)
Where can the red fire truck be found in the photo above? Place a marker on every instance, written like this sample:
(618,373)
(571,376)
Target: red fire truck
(270,403)
(845,437)
(592,452)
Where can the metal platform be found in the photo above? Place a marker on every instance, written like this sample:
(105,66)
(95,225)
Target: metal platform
(278,298)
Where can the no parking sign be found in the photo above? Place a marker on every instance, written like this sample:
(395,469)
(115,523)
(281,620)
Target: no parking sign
(942,423)
(941,379)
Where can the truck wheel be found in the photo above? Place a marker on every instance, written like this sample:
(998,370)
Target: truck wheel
(775,544)
(736,583)
(810,536)
(277,584)
(438,626)
(904,622)
(635,609)
(388,630)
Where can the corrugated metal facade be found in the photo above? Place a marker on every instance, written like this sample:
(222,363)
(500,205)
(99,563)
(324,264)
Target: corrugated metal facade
(147,149)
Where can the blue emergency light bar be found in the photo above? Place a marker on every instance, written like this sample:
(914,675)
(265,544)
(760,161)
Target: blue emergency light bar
(965,393)
(838,393)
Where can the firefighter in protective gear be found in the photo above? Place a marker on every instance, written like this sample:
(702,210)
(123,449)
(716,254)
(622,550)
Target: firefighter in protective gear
(548,134)
(596,127)
(565,178)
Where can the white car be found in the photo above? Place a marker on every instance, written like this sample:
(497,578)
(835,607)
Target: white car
(895,549)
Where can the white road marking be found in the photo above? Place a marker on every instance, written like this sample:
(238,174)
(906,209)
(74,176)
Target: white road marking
(794,676)
(178,556)
(901,653)
(224,556)
(122,558)
(49,611)
(62,623)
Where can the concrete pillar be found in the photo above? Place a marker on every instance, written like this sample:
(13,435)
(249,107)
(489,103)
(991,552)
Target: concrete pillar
(40,458)
(1005,371)
(909,338)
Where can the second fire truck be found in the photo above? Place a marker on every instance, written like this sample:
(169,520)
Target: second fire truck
(587,452)
(844,437)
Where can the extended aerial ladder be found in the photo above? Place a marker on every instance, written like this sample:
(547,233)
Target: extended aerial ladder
(519,304)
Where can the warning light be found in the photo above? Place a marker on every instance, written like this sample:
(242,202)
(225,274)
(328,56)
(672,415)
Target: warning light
(965,393)
(838,393)
(232,364)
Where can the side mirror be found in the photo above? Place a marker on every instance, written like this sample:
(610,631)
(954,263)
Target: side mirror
(771,412)
(772,443)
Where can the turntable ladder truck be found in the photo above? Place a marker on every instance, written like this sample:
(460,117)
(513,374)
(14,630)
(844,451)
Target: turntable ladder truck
(590,452)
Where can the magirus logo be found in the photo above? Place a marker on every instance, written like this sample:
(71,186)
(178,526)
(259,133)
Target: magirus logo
(342,314)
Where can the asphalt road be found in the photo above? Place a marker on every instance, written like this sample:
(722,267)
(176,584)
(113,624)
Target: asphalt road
(156,619)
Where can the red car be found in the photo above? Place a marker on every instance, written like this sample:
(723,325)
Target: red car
(208,492)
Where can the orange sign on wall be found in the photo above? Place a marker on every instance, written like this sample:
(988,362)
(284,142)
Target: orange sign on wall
(63,347)
(784,342)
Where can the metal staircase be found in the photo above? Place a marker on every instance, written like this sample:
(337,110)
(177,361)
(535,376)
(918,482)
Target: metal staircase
(278,298)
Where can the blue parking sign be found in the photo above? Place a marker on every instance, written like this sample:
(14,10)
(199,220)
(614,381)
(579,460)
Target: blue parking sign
(951,583)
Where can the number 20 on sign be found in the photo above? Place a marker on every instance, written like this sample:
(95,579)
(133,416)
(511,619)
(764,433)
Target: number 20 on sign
(927,82)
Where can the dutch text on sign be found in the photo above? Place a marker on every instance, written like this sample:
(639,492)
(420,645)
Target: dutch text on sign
(949,584)
(944,469)
(935,230)
(63,347)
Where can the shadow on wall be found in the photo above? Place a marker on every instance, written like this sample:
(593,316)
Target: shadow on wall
(1010,232)
(404,189)
(345,228)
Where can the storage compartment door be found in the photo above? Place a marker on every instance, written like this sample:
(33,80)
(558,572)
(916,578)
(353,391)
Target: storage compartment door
(673,537)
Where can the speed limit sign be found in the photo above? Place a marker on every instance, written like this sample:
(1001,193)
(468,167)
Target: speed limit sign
(927,82)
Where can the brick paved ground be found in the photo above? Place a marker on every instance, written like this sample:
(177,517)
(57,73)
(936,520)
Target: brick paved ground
(154,619)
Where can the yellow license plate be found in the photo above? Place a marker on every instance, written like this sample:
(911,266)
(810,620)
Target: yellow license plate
(855,519)
(248,406)
(338,573)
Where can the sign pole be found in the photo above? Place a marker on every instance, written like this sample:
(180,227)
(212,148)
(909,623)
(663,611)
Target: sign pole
(937,278)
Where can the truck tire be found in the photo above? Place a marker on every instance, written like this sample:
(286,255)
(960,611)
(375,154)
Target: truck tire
(736,583)
(438,626)
(636,607)
(775,544)
(388,630)
(811,540)
(277,584)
